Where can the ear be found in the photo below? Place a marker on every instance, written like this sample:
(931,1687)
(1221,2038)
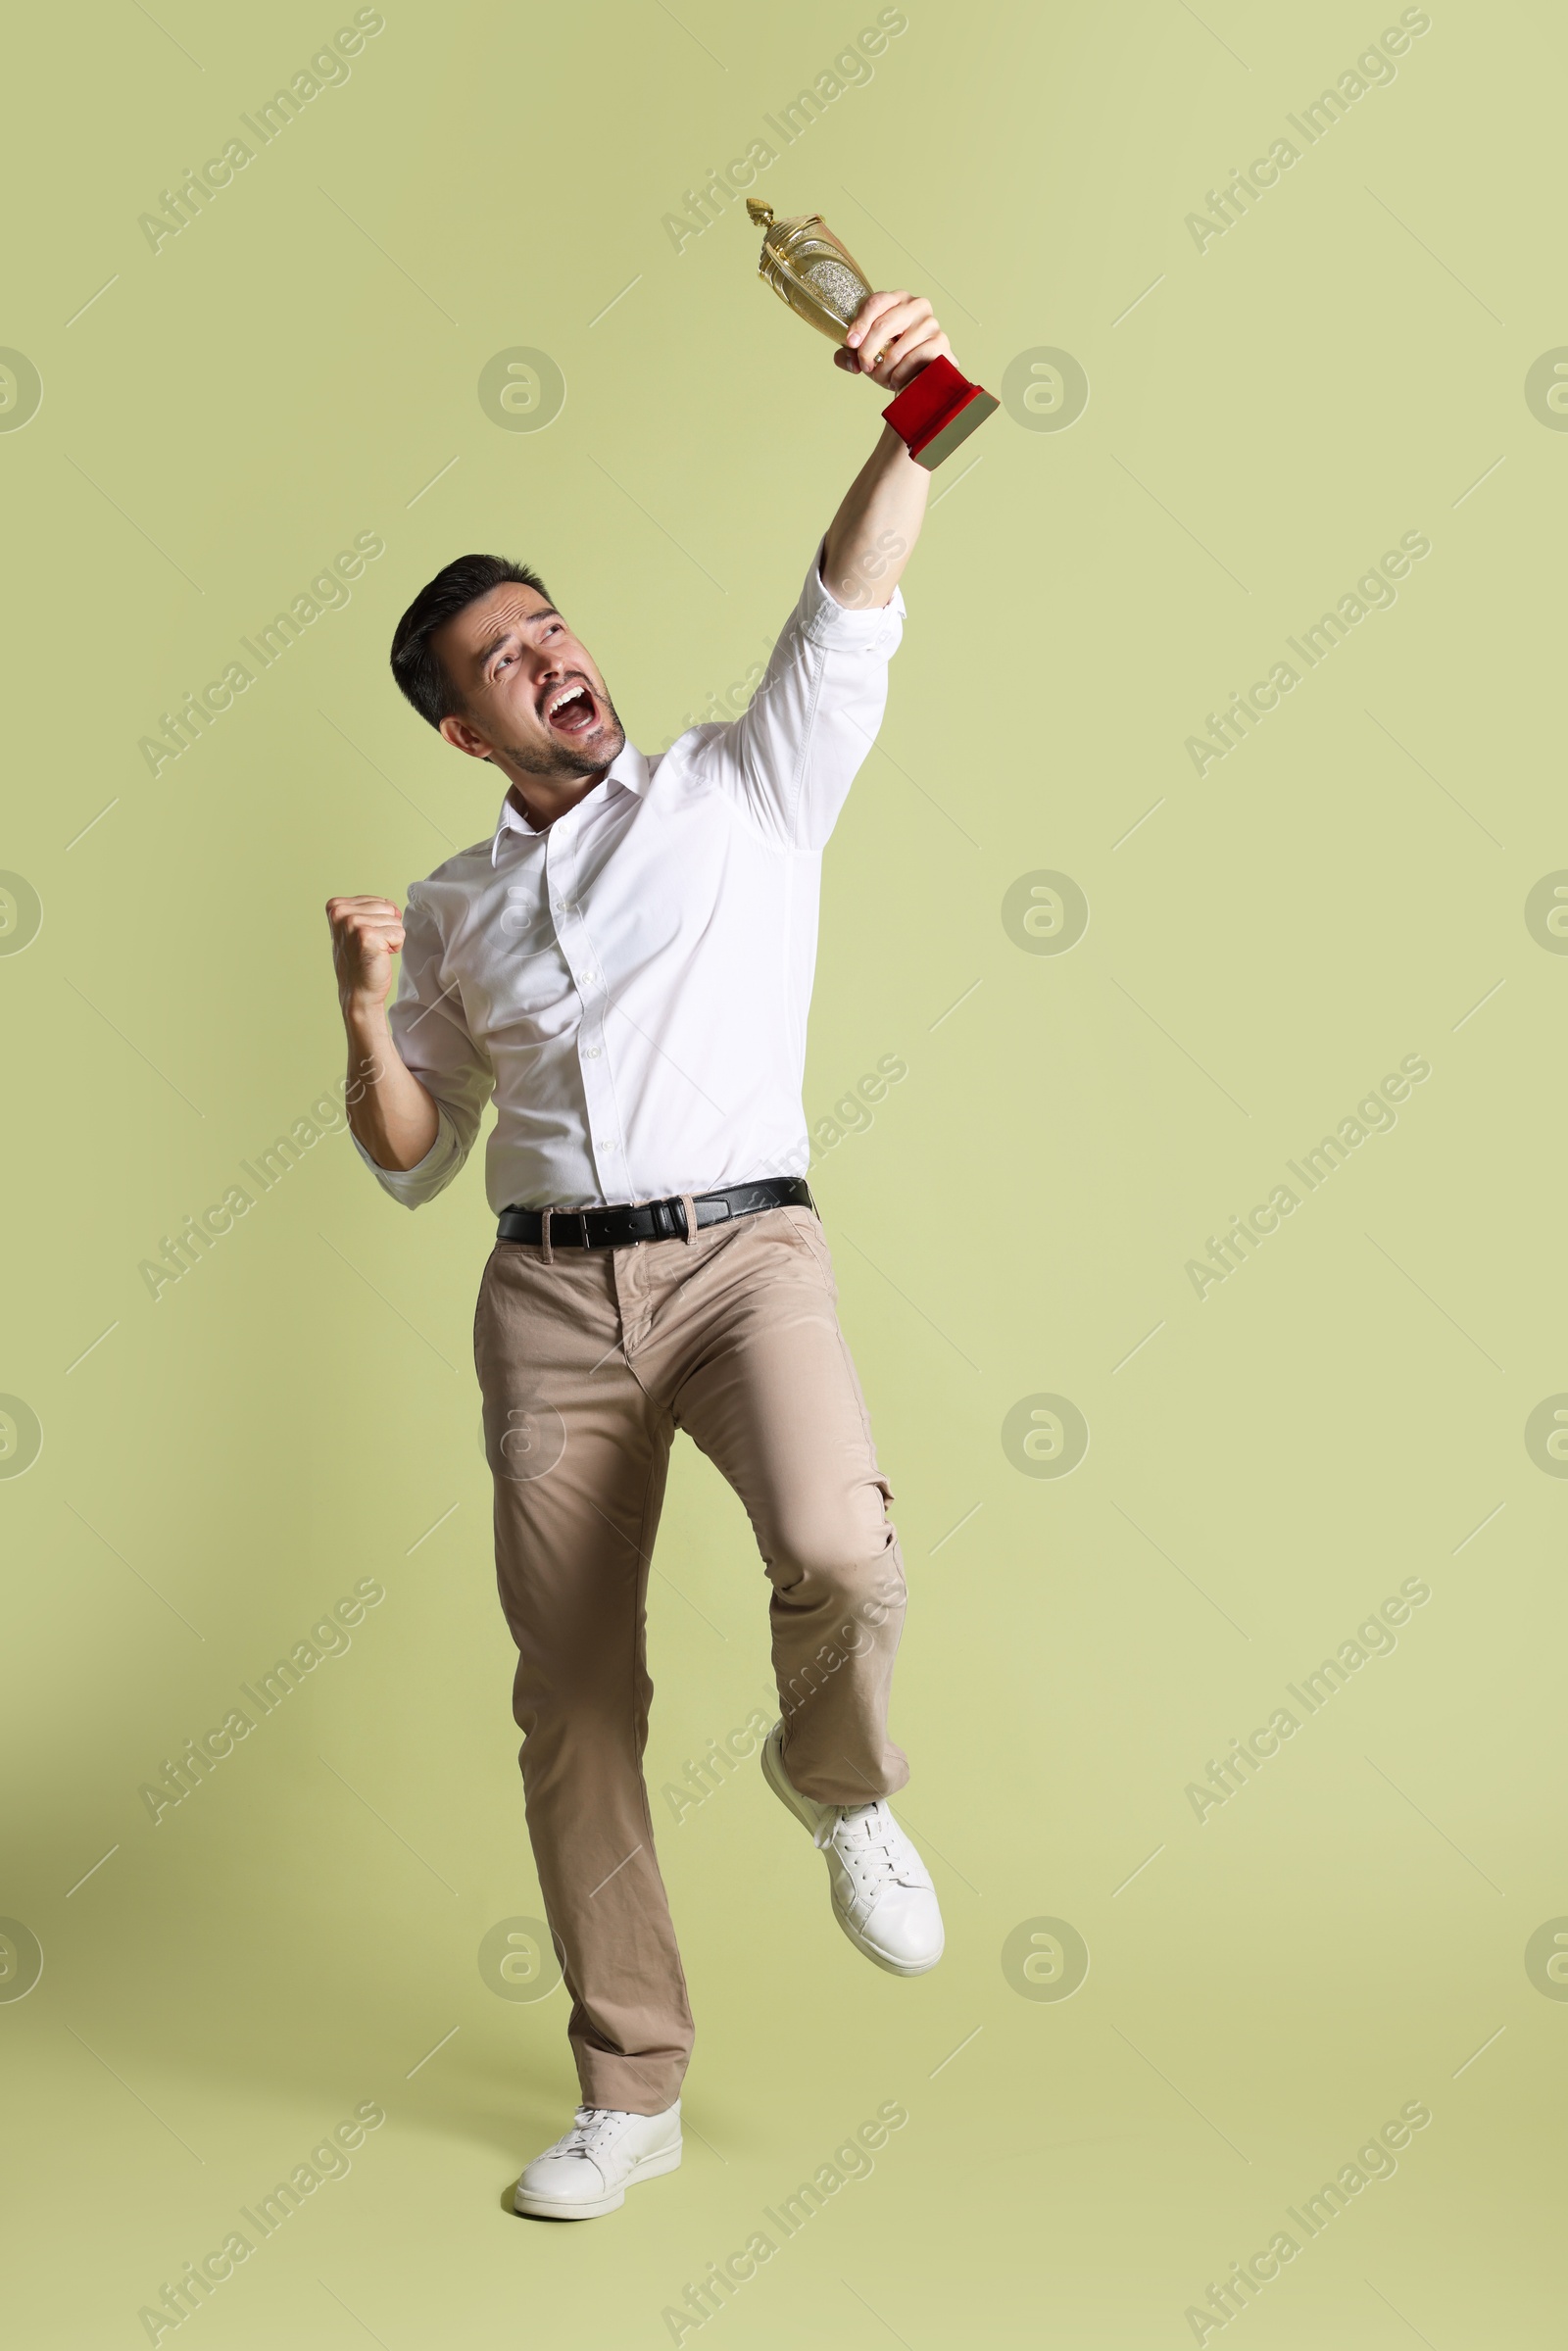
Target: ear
(463,736)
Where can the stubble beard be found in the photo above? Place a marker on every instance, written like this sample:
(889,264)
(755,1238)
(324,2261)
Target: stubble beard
(561,763)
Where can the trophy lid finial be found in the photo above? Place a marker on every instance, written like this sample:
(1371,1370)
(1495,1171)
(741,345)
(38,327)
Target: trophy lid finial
(761,213)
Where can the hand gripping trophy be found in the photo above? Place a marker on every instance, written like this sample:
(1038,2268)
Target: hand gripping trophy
(821,281)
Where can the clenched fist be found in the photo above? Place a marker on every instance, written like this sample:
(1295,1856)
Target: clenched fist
(389,1109)
(367,932)
(891,338)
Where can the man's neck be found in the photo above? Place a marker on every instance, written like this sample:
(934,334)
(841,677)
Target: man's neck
(548,797)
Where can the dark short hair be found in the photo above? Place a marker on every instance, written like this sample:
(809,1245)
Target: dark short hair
(415,666)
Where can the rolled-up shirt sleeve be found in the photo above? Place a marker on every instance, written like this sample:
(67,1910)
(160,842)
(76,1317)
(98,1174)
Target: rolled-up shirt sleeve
(791,757)
(433,1043)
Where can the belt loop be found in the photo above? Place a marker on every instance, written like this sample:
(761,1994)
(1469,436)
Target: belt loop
(690,1210)
(544,1237)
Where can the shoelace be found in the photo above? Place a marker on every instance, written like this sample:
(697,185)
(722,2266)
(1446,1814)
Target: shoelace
(866,1838)
(588,2133)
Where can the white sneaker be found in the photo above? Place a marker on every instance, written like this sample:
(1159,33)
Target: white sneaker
(587,2173)
(883,1896)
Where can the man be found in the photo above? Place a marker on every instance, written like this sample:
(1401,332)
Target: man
(626,968)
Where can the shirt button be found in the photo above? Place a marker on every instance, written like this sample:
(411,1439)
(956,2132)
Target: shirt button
(593,1053)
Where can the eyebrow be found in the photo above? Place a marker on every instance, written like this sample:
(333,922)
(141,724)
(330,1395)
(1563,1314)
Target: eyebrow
(488,651)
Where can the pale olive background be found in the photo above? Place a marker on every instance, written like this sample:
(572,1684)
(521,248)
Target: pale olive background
(1264,418)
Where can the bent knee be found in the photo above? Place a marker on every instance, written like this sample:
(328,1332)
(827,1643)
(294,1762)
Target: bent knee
(831,1570)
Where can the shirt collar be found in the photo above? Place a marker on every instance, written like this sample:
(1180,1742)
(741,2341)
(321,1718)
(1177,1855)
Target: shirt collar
(629,769)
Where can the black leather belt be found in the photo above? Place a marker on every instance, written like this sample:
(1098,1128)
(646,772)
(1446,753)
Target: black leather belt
(652,1220)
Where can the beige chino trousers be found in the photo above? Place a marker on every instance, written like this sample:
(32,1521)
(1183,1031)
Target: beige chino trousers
(589,1362)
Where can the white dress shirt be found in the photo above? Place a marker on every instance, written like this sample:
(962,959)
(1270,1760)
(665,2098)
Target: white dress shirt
(632,983)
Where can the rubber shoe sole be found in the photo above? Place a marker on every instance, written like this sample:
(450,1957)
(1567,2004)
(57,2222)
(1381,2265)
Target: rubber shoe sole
(548,2208)
(806,1812)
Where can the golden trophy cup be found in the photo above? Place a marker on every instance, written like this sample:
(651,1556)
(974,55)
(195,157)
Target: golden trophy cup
(821,281)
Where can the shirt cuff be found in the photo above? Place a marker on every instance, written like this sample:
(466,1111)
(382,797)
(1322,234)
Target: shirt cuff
(827,622)
(414,1185)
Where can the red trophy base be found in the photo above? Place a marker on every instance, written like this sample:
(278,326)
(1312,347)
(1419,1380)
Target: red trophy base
(937,409)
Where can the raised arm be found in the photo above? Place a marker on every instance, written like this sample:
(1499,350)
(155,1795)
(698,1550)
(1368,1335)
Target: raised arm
(792,754)
(872,536)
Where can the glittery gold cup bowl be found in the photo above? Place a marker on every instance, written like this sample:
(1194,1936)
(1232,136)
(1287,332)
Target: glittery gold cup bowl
(809,269)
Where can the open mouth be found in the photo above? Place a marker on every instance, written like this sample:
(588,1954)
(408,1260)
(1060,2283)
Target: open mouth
(570,710)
